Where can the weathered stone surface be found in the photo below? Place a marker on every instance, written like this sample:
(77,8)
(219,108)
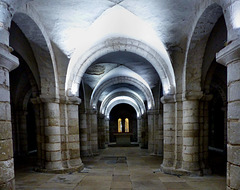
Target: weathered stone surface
(234,173)
(6,170)
(5,130)
(234,155)
(234,132)
(6,150)
(233,110)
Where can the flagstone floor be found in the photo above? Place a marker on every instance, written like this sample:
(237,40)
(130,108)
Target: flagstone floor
(116,168)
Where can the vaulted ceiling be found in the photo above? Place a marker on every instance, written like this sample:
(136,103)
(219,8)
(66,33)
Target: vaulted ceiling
(72,25)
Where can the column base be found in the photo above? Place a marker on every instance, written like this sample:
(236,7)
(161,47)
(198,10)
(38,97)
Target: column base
(60,171)
(8,185)
(180,171)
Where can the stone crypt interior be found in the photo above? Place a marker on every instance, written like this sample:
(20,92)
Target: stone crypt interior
(120,94)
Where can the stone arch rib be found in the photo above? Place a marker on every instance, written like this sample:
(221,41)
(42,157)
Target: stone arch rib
(80,62)
(118,80)
(47,66)
(196,48)
(122,101)
(130,94)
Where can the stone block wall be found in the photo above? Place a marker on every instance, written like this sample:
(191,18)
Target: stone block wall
(229,56)
(7,63)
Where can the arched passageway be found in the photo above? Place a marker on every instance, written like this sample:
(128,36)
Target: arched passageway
(169,80)
(123,112)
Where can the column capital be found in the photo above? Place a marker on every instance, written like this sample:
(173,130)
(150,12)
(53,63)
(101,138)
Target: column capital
(229,54)
(193,95)
(45,99)
(153,111)
(7,60)
(49,99)
(70,100)
(168,99)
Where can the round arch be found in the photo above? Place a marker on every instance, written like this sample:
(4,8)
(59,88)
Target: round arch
(196,47)
(123,92)
(27,20)
(122,100)
(122,79)
(80,62)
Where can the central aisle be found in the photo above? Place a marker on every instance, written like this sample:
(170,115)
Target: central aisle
(117,168)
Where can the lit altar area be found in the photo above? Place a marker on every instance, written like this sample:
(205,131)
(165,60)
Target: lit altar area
(123,126)
(123,136)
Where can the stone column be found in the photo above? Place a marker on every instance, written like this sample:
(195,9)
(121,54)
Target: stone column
(7,63)
(151,129)
(230,56)
(52,135)
(191,131)
(178,132)
(89,142)
(144,134)
(139,127)
(168,131)
(101,131)
(106,123)
(73,132)
(94,132)
(154,132)
(83,135)
(224,109)
(23,141)
(5,21)
(158,133)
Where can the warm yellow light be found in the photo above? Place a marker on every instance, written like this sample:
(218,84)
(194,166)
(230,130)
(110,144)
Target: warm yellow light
(119,125)
(126,125)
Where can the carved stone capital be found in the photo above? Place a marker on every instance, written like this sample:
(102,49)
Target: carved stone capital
(7,60)
(192,95)
(168,99)
(229,54)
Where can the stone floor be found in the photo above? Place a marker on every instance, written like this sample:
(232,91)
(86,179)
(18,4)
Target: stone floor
(116,169)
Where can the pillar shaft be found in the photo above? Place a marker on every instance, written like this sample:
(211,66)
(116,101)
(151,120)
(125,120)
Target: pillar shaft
(139,127)
(5,21)
(151,129)
(89,131)
(230,56)
(168,131)
(94,133)
(144,133)
(158,134)
(101,132)
(83,135)
(7,63)
(191,135)
(22,116)
(73,134)
(178,132)
(154,132)
(52,135)
(106,123)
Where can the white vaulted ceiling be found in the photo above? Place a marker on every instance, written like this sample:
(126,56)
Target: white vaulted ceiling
(72,27)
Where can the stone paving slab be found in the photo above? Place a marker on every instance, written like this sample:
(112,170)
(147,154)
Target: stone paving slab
(140,172)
